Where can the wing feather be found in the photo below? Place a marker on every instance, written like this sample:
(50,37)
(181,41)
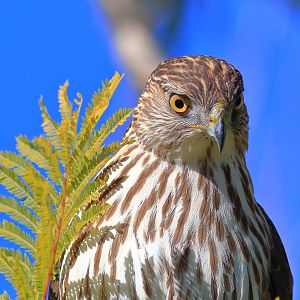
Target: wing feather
(281,279)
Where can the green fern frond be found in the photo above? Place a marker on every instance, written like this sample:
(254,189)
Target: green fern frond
(68,126)
(77,223)
(65,150)
(14,184)
(86,165)
(25,172)
(90,193)
(67,236)
(74,120)
(4,296)
(65,107)
(110,126)
(41,190)
(51,181)
(49,126)
(6,262)
(40,152)
(19,213)
(91,214)
(22,274)
(15,234)
(53,170)
(44,241)
(19,274)
(109,150)
(14,161)
(63,144)
(85,181)
(66,138)
(39,185)
(87,192)
(94,111)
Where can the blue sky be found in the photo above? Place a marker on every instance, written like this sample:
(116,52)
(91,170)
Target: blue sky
(43,43)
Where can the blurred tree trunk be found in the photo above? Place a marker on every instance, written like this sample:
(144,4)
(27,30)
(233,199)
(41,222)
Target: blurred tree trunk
(133,38)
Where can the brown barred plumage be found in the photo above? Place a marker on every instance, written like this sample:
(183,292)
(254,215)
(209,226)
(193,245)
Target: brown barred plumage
(183,221)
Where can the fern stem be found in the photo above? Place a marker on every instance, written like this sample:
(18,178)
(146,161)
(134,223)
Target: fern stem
(58,230)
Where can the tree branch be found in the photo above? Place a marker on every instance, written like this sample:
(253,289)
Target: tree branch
(58,230)
(133,38)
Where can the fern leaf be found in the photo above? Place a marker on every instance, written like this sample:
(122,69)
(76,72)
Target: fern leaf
(111,124)
(91,214)
(40,152)
(44,240)
(66,141)
(53,168)
(86,181)
(90,193)
(4,296)
(70,160)
(19,274)
(36,184)
(68,126)
(15,234)
(31,152)
(23,259)
(59,134)
(14,184)
(109,150)
(67,236)
(50,126)
(92,189)
(41,190)
(18,212)
(14,161)
(65,107)
(72,230)
(74,120)
(22,272)
(86,173)
(25,170)
(94,111)
(5,262)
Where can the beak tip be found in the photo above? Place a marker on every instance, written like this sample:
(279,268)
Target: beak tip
(219,133)
(220,145)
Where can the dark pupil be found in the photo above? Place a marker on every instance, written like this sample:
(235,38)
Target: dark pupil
(238,101)
(179,103)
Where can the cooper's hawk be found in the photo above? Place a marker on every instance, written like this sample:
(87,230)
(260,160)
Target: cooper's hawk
(183,221)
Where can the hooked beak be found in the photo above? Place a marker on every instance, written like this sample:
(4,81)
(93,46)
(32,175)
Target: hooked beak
(218,132)
(216,126)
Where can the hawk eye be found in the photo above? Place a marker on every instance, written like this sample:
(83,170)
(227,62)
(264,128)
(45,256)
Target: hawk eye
(239,102)
(178,104)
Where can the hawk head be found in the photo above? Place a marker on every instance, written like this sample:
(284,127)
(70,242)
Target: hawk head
(191,104)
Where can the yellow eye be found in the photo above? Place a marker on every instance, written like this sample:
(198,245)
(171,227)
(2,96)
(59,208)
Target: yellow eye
(178,104)
(239,102)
